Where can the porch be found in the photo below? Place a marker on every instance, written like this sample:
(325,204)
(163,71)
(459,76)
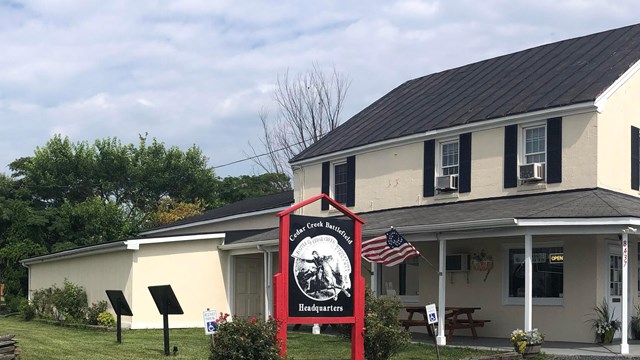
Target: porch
(560,348)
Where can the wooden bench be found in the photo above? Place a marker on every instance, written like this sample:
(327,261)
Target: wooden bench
(407,323)
(452,324)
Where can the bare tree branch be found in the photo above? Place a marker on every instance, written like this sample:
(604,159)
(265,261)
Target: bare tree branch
(309,107)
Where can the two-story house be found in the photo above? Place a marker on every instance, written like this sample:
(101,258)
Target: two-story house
(531,158)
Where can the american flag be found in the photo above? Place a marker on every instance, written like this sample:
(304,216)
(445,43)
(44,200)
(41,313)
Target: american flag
(389,248)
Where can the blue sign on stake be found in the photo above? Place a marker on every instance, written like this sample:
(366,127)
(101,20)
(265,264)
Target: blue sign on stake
(210,324)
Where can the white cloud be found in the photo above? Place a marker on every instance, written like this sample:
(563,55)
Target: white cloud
(199,71)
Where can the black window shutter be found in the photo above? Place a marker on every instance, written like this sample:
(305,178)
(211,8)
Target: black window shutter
(511,156)
(554,150)
(326,173)
(429,168)
(351,181)
(464,180)
(635,159)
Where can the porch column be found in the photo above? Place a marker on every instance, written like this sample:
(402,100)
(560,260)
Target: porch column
(442,283)
(374,278)
(624,345)
(267,283)
(528,281)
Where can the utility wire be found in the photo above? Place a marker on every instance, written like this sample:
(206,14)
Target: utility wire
(260,155)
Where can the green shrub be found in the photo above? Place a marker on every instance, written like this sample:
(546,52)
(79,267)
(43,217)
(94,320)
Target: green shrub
(27,310)
(105,318)
(43,302)
(383,336)
(68,303)
(246,339)
(13,303)
(94,310)
(71,302)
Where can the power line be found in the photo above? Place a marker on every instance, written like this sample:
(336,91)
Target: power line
(257,156)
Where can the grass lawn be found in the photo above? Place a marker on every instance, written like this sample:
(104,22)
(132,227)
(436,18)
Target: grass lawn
(39,340)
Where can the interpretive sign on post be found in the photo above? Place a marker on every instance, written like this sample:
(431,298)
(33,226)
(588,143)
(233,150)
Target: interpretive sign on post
(121,307)
(319,281)
(167,304)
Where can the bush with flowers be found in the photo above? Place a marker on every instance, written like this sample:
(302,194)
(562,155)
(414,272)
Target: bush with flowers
(245,339)
(520,339)
(603,323)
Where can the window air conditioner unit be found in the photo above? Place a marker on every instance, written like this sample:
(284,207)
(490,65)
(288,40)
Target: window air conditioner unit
(447,182)
(532,172)
(458,262)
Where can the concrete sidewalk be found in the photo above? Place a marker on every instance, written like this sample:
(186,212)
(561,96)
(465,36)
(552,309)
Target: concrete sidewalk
(559,348)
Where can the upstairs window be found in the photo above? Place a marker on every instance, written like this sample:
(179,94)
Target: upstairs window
(535,145)
(450,155)
(340,183)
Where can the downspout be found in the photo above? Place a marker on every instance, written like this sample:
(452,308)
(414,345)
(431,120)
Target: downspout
(28,280)
(267,267)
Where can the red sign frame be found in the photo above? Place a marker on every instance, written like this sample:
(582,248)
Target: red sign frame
(281,283)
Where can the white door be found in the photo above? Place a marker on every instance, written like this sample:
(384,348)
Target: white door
(249,285)
(614,283)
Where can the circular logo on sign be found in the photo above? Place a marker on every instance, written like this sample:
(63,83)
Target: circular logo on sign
(322,268)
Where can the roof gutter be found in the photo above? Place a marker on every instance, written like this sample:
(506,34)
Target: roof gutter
(213,221)
(449,227)
(574,109)
(96,249)
(247,245)
(133,244)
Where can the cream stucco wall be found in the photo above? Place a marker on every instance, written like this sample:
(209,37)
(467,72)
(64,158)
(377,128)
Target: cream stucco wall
(392,177)
(621,111)
(96,273)
(584,285)
(196,271)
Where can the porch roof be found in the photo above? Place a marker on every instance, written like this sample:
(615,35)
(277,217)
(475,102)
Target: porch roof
(573,204)
(593,203)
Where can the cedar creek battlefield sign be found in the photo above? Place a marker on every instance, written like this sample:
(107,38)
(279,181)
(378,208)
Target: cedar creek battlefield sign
(320,267)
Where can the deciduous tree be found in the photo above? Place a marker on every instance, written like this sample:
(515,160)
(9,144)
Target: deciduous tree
(309,106)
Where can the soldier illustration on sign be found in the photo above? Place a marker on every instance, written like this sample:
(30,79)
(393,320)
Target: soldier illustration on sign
(322,277)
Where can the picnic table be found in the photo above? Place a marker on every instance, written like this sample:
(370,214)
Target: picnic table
(455,318)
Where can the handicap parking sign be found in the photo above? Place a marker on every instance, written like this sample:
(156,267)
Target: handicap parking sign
(432,314)
(210,324)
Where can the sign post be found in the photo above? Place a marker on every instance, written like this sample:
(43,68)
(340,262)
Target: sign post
(121,307)
(432,318)
(167,304)
(319,281)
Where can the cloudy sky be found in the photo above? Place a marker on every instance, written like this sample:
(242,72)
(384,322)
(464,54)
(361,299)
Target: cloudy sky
(198,72)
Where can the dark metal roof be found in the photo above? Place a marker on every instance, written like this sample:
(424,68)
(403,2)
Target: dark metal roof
(245,206)
(583,203)
(553,75)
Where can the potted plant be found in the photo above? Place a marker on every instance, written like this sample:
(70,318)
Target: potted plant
(635,323)
(603,323)
(482,261)
(527,343)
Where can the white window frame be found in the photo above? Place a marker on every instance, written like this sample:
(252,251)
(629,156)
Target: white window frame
(523,142)
(381,288)
(537,301)
(333,179)
(441,144)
